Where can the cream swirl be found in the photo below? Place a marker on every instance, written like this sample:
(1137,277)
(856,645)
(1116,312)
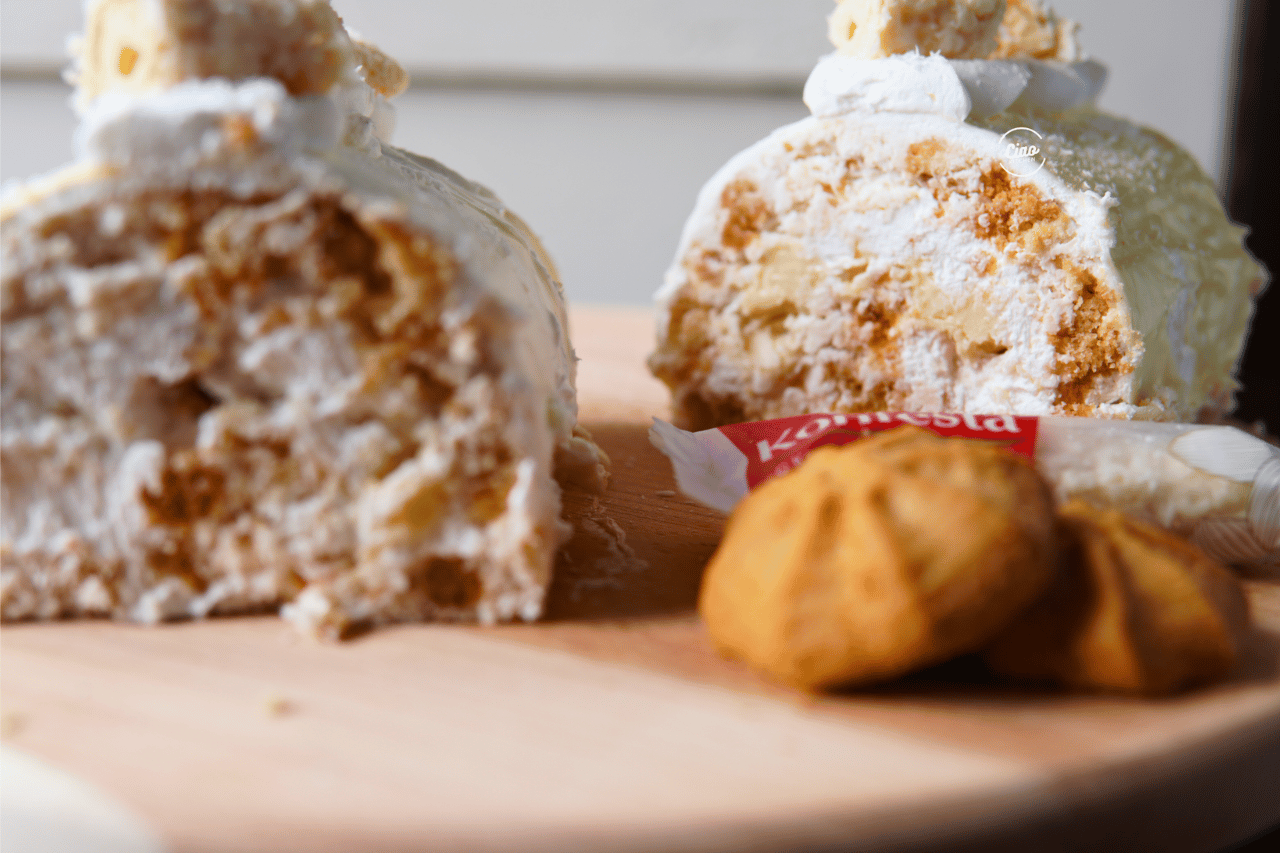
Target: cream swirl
(954,88)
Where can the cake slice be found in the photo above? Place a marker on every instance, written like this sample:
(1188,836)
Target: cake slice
(255,357)
(956,235)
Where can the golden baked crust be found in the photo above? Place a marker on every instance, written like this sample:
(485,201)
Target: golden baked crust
(879,557)
(1134,609)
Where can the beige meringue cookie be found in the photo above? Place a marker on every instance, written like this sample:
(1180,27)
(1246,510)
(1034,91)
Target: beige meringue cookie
(958,29)
(1134,609)
(879,557)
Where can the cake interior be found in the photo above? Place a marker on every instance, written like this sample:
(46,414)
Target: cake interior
(849,266)
(223,400)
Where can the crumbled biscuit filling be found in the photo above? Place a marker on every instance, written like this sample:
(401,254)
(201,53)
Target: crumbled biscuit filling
(748,214)
(1091,346)
(1013,211)
(247,458)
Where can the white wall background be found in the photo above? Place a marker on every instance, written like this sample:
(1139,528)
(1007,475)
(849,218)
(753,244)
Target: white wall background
(598,121)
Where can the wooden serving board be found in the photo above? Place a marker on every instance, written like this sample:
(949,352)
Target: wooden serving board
(613,725)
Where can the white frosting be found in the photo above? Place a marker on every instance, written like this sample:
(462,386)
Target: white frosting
(186,125)
(908,83)
(952,88)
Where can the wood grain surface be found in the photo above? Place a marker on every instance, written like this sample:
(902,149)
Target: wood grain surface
(613,725)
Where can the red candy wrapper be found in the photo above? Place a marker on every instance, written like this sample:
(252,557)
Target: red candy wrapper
(1217,484)
(775,447)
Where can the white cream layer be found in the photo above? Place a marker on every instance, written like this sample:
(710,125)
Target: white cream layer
(954,88)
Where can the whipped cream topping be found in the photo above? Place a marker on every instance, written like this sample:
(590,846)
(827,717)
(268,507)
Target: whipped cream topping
(188,123)
(953,88)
